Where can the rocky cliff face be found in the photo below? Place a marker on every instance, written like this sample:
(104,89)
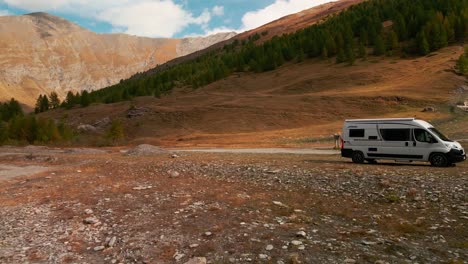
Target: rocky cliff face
(40,53)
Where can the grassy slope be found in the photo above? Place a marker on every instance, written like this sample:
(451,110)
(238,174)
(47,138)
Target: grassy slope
(293,105)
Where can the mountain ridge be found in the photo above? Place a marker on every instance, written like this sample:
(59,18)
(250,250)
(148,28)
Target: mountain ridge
(41,53)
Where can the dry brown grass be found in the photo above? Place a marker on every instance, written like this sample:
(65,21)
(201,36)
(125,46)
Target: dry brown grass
(297,105)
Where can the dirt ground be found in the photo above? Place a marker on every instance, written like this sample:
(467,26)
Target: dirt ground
(101,206)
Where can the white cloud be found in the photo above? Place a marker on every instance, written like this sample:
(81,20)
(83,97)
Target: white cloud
(151,18)
(159,18)
(218,11)
(5,13)
(278,9)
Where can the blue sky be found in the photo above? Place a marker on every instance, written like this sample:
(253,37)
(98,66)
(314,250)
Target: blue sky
(162,18)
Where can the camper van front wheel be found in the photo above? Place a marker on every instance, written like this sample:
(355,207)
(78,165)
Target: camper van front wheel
(358,157)
(439,160)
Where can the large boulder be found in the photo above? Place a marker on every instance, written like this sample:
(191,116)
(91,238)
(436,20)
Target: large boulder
(146,150)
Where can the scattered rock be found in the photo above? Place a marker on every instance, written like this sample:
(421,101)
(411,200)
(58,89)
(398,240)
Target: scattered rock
(173,174)
(146,150)
(196,260)
(88,211)
(91,220)
(269,247)
(429,109)
(263,256)
(137,111)
(112,241)
(301,234)
(296,242)
(178,256)
(99,248)
(86,128)
(102,123)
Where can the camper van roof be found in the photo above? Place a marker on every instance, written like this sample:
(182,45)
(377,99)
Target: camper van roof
(381,120)
(413,121)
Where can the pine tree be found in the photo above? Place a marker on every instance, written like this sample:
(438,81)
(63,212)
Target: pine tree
(3,132)
(341,57)
(379,46)
(392,41)
(84,99)
(69,100)
(422,44)
(350,56)
(462,63)
(38,108)
(362,51)
(45,104)
(324,53)
(116,131)
(54,100)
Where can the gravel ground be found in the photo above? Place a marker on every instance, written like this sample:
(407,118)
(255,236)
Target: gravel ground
(231,208)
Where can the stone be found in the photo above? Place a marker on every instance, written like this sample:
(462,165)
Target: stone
(178,256)
(296,242)
(91,220)
(193,245)
(86,128)
(196,260)
(88,211)
(99,248)
(349,260)
(269,247)
(263,256)
(208,234)
(174,174)
(301,234)
(112,241)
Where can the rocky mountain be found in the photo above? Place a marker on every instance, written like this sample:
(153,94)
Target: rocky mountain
(40,53)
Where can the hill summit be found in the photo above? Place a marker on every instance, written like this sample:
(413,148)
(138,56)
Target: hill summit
(40,53)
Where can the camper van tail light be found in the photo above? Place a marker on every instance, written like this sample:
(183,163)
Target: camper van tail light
(341,143)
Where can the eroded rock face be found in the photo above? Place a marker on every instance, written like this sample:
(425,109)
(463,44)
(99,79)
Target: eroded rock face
(40,53)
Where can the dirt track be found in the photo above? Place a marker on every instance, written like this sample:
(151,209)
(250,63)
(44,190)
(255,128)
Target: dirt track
(106,207)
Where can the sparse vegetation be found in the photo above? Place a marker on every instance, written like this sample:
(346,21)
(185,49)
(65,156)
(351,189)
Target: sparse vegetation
(16,127)
(115,132)
(388,26)
(462,63)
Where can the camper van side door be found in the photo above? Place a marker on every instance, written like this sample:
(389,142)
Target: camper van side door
(395,144)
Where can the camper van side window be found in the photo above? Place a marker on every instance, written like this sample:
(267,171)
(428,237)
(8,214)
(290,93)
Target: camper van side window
(356,133)
(395,134)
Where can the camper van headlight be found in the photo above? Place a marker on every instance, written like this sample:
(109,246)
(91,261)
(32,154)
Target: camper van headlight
(451,146)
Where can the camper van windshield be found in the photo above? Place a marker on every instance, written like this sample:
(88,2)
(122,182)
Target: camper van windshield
(439,134)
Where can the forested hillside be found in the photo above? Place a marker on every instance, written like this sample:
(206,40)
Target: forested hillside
(376,27)
(16,127)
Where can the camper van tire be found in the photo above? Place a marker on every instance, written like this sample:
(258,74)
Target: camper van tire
(358,157)
(439,160)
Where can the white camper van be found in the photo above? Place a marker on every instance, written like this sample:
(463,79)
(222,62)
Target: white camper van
(402,139)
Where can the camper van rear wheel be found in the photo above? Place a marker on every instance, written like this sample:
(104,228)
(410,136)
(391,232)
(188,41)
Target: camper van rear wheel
(439,160)
(358,157)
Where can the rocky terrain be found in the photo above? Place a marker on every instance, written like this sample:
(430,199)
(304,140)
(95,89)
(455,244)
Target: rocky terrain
(103,206)
(40,53)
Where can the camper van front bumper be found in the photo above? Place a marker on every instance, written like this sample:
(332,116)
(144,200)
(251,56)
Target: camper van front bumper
(346,153)
(456,155)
